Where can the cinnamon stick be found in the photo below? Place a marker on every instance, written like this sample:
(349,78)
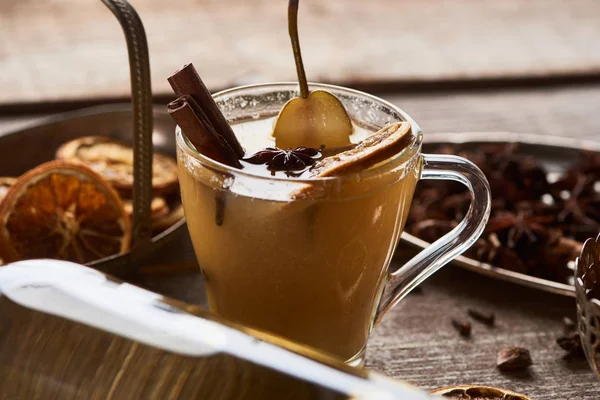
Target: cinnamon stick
(194,123)
(186,81)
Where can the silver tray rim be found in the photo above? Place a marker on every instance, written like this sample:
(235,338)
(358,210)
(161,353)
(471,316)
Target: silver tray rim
(120,107)
(507,137)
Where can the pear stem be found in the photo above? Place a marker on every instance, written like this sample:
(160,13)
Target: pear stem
(293,30)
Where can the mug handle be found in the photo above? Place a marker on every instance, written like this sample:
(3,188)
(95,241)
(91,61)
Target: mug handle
(452,244)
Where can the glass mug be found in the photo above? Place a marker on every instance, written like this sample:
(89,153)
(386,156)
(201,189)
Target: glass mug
(308,259)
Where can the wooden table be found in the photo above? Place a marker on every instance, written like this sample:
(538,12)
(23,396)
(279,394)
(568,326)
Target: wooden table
(528,66)
(416,341)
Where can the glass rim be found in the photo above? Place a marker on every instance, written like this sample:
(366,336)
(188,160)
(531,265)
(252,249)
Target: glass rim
(388,166)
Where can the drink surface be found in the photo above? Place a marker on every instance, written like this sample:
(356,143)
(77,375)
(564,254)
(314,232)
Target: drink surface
(256,135)
(310,269)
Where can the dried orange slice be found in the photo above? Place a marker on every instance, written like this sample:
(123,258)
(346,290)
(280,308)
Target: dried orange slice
(158,208)
(166,221)
(114,161)
(164,215)
(378,147)
(473,392)
(5,184)
(62,210)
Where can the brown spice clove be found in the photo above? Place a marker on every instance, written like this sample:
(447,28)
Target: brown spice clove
(463,327)
(482,316)
(568,325)
(571,343)
(513,359)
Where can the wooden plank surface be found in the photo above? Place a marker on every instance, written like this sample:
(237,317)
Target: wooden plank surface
(73,361)
(418,344)
(570,111)
(69,50)
(416,341)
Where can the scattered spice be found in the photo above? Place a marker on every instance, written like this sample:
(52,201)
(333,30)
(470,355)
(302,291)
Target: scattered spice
(481,316)
(569,325)
(513,359)
(463,327)
(538,221)
(571,343)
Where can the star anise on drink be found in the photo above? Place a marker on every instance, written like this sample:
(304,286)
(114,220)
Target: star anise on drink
(285,160)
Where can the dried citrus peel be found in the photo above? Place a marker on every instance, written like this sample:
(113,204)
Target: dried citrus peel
(62,210)
(377,148)
(471,392)
(380,146)
(158,207)
(114,161)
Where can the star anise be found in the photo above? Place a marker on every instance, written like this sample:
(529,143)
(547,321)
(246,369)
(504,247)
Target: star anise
(590,164)
(285,160)
(520,225)
(491,251)
(536,225)
(432,229)
(576,207)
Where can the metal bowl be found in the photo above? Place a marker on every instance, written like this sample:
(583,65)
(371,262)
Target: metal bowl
(133,123)
(555,153)
(587,287)
(23,149)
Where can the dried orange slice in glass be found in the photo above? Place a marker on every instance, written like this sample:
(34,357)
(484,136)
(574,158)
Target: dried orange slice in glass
(62,210)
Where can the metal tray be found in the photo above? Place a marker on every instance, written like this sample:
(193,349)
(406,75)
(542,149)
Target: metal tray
(25,148)
(555,154)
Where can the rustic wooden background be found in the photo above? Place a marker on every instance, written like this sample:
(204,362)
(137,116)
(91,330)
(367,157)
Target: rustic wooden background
(416,341)
(437,48)
(47,53)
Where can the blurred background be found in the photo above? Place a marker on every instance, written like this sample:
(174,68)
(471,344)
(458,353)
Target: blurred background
(72,50)
(528,66)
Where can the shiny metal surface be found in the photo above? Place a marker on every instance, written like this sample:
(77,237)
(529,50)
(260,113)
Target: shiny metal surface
(555,153)
(587,278)
(138,129)
(75,333)
(141,100)
(23,149)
